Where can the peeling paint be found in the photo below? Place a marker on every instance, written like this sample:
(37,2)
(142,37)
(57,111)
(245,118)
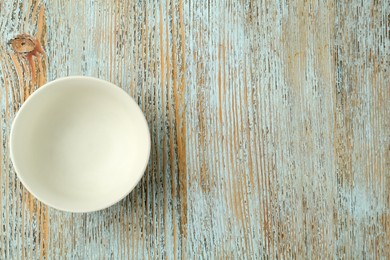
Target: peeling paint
(269,125)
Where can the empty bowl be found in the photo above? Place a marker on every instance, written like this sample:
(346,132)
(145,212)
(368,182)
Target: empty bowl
(79,144)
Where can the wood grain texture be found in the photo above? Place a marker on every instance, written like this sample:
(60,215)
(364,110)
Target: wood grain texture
(269,124)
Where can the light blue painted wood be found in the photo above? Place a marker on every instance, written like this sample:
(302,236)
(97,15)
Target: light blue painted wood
(269,125)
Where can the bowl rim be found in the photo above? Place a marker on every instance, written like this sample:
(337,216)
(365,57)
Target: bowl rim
(53,84)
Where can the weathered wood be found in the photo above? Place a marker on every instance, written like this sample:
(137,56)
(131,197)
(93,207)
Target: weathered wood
(269,123)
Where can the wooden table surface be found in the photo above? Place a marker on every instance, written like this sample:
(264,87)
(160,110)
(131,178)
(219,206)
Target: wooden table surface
(269,124)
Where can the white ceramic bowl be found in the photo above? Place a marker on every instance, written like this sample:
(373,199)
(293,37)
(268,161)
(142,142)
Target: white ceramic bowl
(80,144)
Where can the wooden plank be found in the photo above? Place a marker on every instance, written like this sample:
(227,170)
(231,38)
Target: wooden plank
(269,124)
(24,219)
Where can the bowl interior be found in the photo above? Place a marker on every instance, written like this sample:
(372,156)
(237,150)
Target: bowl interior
(80,144)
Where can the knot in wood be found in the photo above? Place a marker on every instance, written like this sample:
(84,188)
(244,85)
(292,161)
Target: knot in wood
(23,43)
